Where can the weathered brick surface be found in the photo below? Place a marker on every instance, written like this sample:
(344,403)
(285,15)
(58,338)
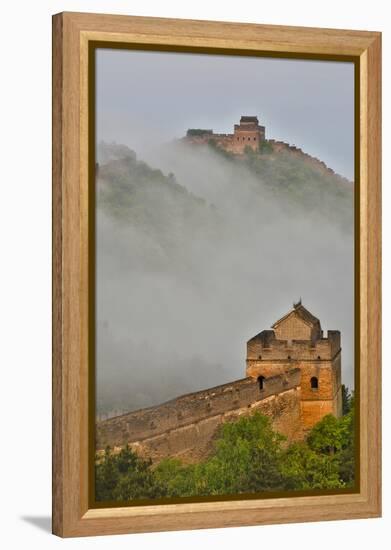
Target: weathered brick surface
(195,440)
(264,347)
(190,409)
(246,134)
(297,341)
(293,329)
(313,411)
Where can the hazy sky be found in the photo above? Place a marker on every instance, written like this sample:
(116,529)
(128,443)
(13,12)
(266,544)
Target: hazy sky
(144,98)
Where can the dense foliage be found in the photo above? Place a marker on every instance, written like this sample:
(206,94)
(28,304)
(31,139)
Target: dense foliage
(248,457)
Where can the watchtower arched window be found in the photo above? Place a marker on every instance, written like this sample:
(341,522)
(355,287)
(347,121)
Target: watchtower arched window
(314,383)
(261,382)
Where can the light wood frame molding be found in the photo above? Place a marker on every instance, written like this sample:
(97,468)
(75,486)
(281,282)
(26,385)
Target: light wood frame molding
(72,33)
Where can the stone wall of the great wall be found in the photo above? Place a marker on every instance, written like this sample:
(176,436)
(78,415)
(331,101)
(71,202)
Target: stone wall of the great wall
(228,143)
(185,427)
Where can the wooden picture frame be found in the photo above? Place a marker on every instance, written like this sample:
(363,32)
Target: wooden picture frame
(73,34)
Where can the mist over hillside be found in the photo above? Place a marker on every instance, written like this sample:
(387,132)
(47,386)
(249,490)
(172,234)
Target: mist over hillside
(197,252)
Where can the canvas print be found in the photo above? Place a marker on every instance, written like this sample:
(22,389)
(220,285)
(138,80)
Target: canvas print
(224,276)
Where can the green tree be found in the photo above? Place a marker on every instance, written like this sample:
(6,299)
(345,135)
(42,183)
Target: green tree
(173,479)
(303,469)
(123,476)
(246,458)
(347,399)
(336,437)
(327,436)
(265,147)
(106,476)
(346,456)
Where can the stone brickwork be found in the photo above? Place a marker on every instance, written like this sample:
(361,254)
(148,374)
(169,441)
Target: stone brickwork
(246,134)
(297,341)
(194,441)
(186,425)
(293,329)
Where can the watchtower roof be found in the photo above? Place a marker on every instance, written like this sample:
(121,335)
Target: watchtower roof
(249,119)
(300,311)
(265,337)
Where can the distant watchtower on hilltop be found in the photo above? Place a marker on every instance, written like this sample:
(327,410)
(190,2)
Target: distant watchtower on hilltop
(248,133)
(297,341)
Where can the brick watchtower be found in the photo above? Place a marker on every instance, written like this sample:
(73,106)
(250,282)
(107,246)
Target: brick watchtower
(297,341)
(248,133)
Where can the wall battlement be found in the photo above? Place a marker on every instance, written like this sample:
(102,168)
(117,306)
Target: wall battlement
(265,346)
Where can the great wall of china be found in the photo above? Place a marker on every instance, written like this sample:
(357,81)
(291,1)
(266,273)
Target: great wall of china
(293,377)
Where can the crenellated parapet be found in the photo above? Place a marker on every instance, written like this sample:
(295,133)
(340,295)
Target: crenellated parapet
(266,347)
